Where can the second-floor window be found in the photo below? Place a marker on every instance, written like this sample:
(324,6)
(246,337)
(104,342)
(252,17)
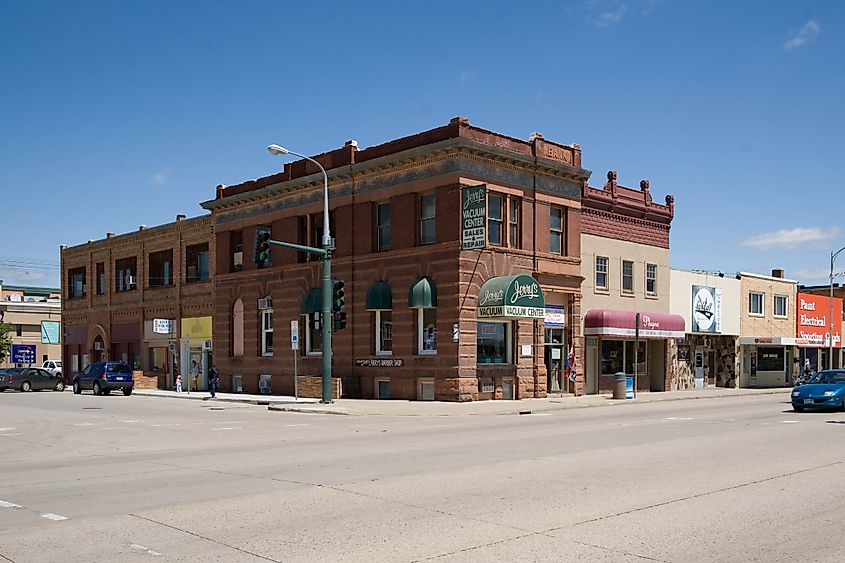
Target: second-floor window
(756,303)
(514,230)
(556,231)
(101,278)
(651,279)
(427,219)
(495,209)
(76,282)
(161,268)
(236,247)
(196,262)
(316,233)
(627,276)
(126,270)
(383,226)
(601,272)
(781,306)
(266,332)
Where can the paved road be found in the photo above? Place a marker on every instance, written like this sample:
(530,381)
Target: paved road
(114,479)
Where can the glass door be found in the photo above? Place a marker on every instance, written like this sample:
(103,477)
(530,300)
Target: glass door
(555,358)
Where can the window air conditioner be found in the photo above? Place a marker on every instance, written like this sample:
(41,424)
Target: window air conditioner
(265,303)
(206,345)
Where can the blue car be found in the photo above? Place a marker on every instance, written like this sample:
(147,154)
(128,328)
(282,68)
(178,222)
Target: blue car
(826,390)
(104,377)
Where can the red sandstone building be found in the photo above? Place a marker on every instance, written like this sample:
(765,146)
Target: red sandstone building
(416,326)
(144,298)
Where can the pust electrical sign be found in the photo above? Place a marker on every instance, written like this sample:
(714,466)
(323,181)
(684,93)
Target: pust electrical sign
(814,320)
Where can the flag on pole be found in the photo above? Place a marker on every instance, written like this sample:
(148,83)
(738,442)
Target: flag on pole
(570,364)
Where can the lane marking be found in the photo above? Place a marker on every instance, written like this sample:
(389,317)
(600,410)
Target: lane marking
(112,428)
(144,549)
(13,434)
(6,429)
(790,421)
(7,504)
(131,421)
(84,424)
(51,516)
(228,428)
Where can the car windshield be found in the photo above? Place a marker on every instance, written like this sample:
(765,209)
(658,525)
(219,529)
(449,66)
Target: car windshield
(118,368)
(829,377)
(58,364)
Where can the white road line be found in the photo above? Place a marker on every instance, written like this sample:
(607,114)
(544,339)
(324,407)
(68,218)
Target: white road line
(5,429)
(84,424)
(51,516)
(7,504)
(228,428)
(685,418)
(671,418)
(790,421)
(143,549)
(113,428)
(131,421)
(13,434)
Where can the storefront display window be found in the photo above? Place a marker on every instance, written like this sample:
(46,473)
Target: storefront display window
(427,330)
(612,356)
(629,357)
(384,333)
(770,359)
(493,343)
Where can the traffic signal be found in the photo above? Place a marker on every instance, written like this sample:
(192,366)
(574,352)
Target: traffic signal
(339,320)
(337,295)
(262,249)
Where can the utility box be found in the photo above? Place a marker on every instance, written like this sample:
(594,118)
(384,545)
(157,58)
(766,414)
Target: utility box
(264,384)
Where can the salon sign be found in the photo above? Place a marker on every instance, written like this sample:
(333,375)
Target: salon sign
(511,297)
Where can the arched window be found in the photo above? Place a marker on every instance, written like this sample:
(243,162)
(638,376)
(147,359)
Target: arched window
(238,329)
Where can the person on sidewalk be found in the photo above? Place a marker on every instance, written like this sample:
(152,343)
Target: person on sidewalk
(179,383)
(213,380)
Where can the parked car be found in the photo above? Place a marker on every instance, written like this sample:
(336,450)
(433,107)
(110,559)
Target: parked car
(53,366)
(28,379)
(825,390)
(104,377)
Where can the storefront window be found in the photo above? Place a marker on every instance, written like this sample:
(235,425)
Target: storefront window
(493,343)
(770,359)
(629,357)
(612,356)
(313,334)
(384,333)
(427,330)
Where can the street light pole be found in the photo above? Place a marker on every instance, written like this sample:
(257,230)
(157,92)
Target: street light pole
(833,256)
(326,314)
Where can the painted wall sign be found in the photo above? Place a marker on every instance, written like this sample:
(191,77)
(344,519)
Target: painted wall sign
(380,363)
(706,309)
(813,320)
(473,217)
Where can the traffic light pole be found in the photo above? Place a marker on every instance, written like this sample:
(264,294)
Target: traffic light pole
(326,312)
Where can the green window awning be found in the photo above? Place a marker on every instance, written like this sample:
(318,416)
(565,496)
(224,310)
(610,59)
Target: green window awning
(313,302)
(423,294)
(379,297)
(511,297)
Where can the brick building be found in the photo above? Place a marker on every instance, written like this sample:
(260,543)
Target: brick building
(144,297)
(625,247)
(415,329)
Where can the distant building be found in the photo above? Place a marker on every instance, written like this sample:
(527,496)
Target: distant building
(35,316)
(814,326)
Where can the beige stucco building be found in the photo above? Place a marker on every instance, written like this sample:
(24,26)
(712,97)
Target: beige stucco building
(35,316)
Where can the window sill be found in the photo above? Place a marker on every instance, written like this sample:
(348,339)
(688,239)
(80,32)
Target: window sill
(427,353)
(601,291)
(267,355)
(759,315)
(383,353)
(627,294)
(781,317)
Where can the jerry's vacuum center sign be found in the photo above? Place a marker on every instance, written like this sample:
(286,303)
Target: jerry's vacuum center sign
(511,297)
(473,217)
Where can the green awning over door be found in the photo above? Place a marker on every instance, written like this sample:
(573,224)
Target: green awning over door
(511,297)
(423,294)
(313,302)
(379,297)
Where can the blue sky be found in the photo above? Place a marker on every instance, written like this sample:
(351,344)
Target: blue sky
(115,114)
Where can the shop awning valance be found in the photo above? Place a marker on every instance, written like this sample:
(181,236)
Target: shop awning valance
(379,297)
(313,301)
(610,322)
(423,294)
(511,297)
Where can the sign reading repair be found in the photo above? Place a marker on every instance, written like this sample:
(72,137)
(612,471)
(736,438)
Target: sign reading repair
(473,217)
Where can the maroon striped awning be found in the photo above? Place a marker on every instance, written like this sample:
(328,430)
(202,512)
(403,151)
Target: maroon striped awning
(609,322)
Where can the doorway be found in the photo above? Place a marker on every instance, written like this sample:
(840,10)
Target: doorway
(554,356)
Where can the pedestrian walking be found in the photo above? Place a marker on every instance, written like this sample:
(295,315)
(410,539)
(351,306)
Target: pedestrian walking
(195,374)
(179,383)
(213,380)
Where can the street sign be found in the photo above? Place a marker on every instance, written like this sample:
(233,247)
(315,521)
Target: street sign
(473,217)
(23,353)
(294,335)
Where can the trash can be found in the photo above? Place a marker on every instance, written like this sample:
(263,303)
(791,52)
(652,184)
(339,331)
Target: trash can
(629,387)
(620,386)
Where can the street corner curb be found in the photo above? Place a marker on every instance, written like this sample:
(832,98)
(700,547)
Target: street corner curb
(284,408)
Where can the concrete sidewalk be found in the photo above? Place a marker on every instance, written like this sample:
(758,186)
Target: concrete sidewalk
(371,407)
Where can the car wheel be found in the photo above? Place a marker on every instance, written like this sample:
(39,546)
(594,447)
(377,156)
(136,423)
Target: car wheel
(97,390)
(797,408)
(60,385)
(26,386)
(77,388)
(127,392)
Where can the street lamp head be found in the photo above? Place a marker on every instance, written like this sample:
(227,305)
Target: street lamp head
(276,149)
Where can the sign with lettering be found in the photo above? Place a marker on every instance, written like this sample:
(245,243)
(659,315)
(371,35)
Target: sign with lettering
(813,320)
(163,326)
(23,353)
(555,315)
(511,297)
(294,335)
(706,309)
(473,217)
(380,363)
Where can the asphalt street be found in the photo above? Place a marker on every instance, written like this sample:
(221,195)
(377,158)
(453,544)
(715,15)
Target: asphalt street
(114,479)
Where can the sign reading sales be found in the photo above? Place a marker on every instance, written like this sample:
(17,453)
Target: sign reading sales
(813,320)
(473,217)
